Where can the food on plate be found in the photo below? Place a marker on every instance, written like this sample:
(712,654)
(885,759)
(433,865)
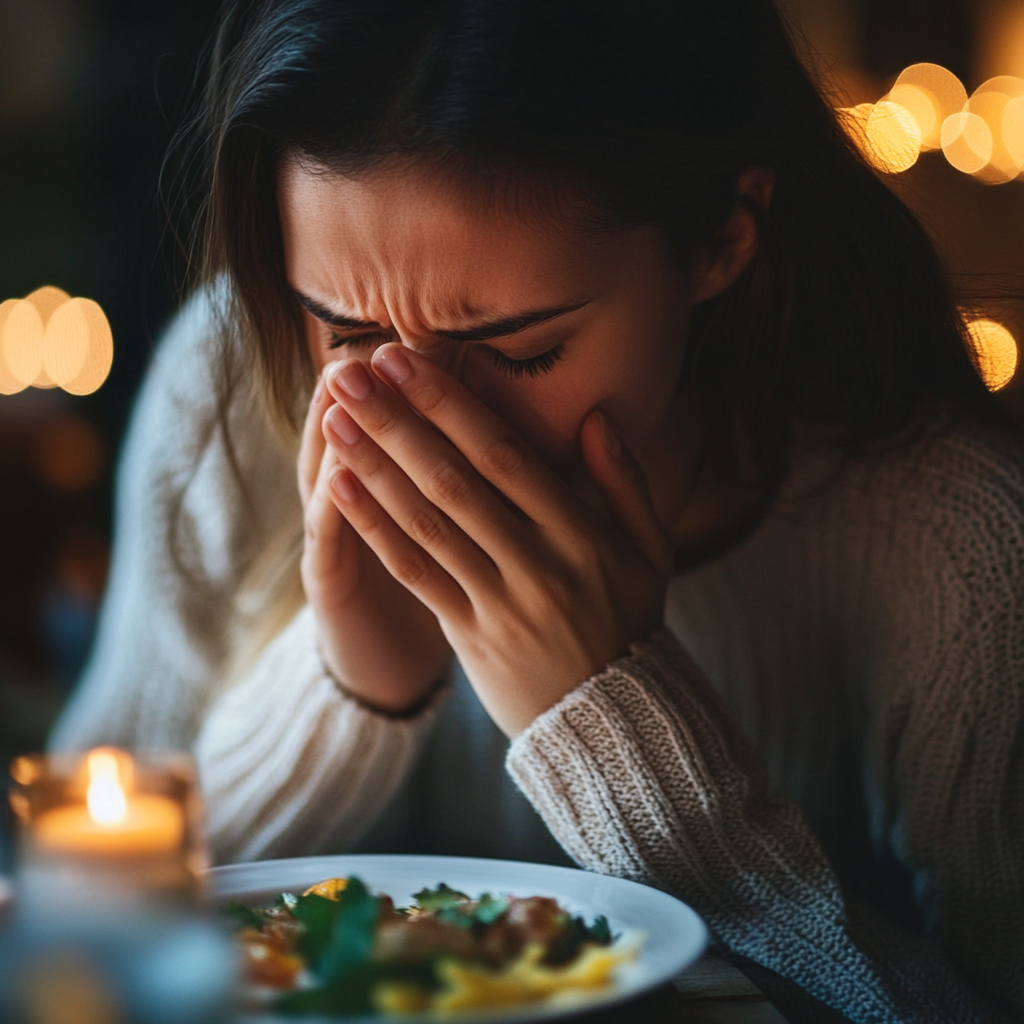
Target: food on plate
(339,949)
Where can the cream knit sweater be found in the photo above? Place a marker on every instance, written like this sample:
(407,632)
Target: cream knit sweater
(823,754)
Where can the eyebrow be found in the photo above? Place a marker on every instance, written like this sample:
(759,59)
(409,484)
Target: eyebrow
(481,332)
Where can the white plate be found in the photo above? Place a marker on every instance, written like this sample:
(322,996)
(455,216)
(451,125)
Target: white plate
(675,935)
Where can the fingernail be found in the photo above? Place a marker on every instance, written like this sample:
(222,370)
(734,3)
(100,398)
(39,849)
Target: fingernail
(318,391)
(343,487)
(393,363)
(611,439)
(342,426)
(354,380)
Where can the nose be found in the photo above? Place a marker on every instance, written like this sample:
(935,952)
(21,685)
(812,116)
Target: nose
(449,355)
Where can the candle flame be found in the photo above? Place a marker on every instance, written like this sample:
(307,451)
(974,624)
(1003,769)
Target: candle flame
(105,796)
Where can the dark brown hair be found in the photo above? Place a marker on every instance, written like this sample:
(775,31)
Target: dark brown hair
(650,109)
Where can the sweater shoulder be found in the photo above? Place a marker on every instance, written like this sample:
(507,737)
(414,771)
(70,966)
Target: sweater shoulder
(964,489)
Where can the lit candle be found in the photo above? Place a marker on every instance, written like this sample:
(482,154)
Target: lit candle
(114,821)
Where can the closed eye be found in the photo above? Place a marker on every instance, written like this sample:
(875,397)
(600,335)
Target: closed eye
(534,366)
(516,369)
(359,340)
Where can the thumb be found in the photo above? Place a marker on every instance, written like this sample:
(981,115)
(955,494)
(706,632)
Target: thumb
(624,486)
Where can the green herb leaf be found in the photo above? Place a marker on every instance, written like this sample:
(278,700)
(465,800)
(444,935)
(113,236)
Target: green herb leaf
(352,992)
(489,908)
(599,931)
(351,941)
(441,898)
(317,916)
(243,916)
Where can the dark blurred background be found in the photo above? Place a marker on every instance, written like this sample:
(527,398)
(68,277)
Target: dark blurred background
(90,94)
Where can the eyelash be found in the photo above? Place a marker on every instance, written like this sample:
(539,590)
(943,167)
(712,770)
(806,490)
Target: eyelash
(357,340)
(516,369)
(532,367)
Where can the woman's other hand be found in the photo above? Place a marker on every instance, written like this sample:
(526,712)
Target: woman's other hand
(534,589)
(377,638)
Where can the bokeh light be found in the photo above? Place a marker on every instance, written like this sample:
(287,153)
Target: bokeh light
(923,108)
(1013,129)
(966,142)
(22,342)
(9,384)
(70,454)
(995,352)
(931,94)
(49,339)
(886,134)
(989,101)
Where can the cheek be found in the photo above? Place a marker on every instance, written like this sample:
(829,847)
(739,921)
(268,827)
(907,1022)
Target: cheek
(640,397)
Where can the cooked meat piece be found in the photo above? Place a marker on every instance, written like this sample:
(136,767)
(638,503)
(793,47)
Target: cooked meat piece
(414,940)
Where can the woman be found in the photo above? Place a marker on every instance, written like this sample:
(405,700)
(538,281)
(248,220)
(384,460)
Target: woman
(600,307)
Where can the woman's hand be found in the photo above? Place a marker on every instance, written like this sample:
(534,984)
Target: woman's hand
(376,637)
(535,593)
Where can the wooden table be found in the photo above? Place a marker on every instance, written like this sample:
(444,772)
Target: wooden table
(711,992)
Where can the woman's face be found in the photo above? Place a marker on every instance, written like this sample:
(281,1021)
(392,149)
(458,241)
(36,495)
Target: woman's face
(542,321)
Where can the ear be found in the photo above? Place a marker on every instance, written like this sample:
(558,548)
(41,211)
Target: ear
(736,243)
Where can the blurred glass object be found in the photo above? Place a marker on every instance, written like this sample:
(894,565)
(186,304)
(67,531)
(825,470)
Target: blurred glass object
(106,828)
(129,967)
(107,925)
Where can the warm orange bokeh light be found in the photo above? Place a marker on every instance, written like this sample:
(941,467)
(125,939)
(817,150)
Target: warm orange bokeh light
(923,108)
(931,94)
(49,339)
(886,134)
(22,342)
(9,384)
(1013,129)
(990,101)
(966,142)
(995,352)
(69,454)
(79,348)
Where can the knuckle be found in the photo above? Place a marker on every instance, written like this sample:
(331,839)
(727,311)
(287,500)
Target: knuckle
(504,457)
(431,397)
(428,526)
(410,570)
(449,484)
(582,550)
(311,531)
(384,419)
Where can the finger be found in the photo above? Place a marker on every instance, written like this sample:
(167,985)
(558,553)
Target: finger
(313,444)
(405,504)
(326,529)
(412,566)
(624,485)
(439,471)
(492,447)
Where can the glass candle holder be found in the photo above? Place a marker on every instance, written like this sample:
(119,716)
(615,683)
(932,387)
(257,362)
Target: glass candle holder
(107,827)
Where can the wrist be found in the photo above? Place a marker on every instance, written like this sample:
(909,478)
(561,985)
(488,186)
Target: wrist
(391,701)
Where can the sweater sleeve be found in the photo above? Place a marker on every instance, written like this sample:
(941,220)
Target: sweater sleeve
(186,524)
(641,772)
(289,764)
